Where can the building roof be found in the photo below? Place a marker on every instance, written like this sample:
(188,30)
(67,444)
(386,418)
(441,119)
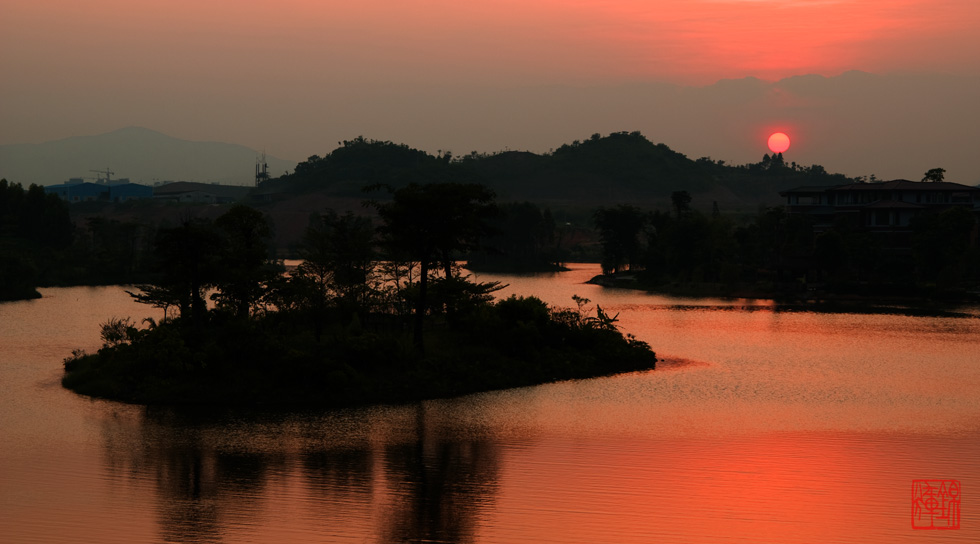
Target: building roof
(892,205)
(130,188)
(894,185)
(180,187)
(87,188)
(810,189)
(905,185)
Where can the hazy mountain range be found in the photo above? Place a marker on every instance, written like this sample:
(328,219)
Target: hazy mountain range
(142,155)
(856,123)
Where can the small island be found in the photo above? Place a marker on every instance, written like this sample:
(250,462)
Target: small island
(370,315)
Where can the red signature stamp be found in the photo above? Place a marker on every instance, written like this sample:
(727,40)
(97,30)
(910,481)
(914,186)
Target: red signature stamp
(935,504)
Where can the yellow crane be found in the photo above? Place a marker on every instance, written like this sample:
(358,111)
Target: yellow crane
(108,174)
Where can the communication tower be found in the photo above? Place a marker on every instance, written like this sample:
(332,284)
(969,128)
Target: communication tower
(261,169)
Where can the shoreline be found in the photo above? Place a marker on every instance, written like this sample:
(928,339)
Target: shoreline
(816,295)
(278,360)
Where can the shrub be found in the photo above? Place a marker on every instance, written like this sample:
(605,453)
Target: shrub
(116,331)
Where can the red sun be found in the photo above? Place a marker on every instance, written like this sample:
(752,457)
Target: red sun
(778,142)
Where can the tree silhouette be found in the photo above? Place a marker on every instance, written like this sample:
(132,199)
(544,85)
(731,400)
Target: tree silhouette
(338,259)
(243,264)
(619,230)
(186,266)
(431,224)
(681,201)
(34,229)
(934,175)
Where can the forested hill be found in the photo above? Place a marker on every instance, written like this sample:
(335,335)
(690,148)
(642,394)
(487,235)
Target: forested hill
(620,167)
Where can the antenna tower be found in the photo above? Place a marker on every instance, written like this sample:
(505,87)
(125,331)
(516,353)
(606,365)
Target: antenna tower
(261,169)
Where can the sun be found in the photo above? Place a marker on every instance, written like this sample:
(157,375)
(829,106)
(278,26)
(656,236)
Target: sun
(778,142)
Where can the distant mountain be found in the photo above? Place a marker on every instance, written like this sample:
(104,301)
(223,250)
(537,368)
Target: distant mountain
(619,168)
(140,154)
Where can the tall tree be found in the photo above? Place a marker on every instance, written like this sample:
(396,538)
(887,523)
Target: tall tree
(934,175)
(524,238)
(187,265)
(430,224)
(338,259)
(619,231)
(343,245)
(681,201)
(243,268)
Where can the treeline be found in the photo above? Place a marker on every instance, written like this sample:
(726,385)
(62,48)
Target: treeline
(378,310)
(40,245)
(622,166)
(360,162)
(35,232)
(523,238)
(777,253)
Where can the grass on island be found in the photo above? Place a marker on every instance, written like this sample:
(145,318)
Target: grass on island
(283,358)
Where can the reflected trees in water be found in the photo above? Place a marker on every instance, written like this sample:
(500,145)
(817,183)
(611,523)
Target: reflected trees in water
(419,483)
(443,484)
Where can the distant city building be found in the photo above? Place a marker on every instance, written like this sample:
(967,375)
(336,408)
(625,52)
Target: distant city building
(200,193)
(121,190)
(79,191)
(129,191)
(76,190)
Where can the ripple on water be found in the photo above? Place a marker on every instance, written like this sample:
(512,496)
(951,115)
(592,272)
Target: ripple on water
(760,425)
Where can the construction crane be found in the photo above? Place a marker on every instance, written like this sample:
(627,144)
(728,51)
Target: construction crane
(108,174)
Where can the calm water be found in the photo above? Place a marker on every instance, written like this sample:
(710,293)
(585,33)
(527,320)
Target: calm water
(763,424)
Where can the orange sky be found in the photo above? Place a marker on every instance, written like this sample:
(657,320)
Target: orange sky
(694,41)
(252,72)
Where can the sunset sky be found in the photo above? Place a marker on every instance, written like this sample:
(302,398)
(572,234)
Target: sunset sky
(294,77)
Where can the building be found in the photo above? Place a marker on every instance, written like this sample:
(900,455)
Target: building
(77,190)
(200,193)
(129,191)
(885,209)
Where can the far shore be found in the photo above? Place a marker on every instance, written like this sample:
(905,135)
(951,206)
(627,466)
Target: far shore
(798,293)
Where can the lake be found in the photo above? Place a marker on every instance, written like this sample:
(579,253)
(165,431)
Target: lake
(763,423)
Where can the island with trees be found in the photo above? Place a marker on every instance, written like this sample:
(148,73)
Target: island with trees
(380,286)
(373,313)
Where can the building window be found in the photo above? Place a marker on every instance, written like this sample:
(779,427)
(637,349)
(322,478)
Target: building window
(881,217)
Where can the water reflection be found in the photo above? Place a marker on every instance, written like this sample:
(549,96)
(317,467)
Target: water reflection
(770,426)
(213,477)
(200,487)
(441,484)
(187,487)
(818,307)
(347,473)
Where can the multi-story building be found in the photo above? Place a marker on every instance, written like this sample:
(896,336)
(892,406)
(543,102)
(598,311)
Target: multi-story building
(886,209)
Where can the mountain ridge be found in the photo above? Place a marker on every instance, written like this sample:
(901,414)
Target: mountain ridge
(141,154)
